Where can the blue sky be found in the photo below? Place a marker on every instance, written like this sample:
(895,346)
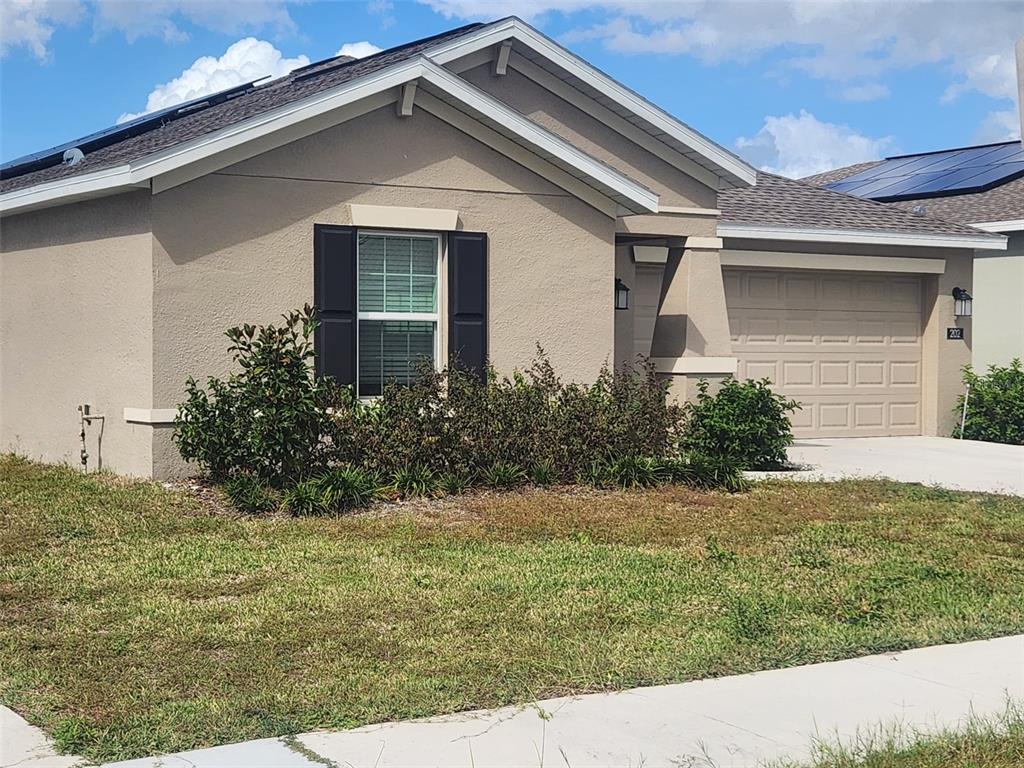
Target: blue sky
(793,86)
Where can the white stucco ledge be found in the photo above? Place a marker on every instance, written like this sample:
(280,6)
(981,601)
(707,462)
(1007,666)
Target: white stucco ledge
(650,254)
(150,415)
(397,217)
(711,243)
(695,365)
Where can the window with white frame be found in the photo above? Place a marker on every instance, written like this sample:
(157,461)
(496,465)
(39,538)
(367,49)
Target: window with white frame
(398,307)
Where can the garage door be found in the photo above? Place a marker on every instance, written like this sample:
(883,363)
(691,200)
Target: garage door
(846,345)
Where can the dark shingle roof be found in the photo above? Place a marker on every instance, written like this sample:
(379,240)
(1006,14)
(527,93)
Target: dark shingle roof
(298,85)
(776,201)
(1002,203)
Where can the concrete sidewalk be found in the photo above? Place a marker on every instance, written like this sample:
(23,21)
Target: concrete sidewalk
(733,721)
(25,746)
(966,465)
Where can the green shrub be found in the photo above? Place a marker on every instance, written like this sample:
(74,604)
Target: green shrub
(995,405)
(451,420)
(745,421)
(250,494)
(274,421)
(270,418)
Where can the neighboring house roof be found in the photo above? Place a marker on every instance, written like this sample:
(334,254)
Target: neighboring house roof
(118,155)
(448,96)
(999,208)
(778,208)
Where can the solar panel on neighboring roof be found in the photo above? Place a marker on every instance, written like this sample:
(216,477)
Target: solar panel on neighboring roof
(935,174)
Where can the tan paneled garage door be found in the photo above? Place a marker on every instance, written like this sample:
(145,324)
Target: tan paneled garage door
(846,345)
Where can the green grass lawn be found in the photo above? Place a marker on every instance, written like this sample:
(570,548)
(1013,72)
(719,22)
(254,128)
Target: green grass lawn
(993,743)
(134,622)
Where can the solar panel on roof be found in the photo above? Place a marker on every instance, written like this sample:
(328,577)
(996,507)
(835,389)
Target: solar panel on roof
(951,172)
(118,132)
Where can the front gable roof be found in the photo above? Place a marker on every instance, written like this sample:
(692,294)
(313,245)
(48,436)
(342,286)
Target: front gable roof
(303,96)
(631,106)
(133,154)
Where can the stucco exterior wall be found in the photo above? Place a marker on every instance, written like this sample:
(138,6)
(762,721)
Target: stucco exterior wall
(998,304)
(943,358)
(75,328)
(237,245)
(594,137)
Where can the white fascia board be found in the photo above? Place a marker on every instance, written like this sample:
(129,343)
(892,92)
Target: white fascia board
(102,182)
(730,166)
(276,119)
(1012,225)
(138,173)
(625,191)
(762,232)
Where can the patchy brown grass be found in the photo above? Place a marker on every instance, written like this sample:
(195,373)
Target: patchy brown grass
(982,743)
(138,621)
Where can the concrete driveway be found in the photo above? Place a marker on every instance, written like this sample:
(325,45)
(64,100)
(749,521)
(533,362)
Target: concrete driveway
(965,465)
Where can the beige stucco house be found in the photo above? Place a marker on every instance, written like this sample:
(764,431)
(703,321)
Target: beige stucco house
(473,193)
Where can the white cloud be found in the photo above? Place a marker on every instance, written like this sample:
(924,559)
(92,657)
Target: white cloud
(30,23)
(994,75)
(359,50)
(385,9)
(248,59)
(865,92)
(162,18)
(839,41)
(801,145)
(1000,125)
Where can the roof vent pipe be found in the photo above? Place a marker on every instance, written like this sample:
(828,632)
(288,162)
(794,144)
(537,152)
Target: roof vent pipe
(73,156)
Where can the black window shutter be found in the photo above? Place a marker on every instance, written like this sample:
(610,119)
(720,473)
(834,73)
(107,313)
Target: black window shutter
(334,293)
(467,300)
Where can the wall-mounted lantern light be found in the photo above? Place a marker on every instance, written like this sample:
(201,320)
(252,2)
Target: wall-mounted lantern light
(621,295)
(961,303)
